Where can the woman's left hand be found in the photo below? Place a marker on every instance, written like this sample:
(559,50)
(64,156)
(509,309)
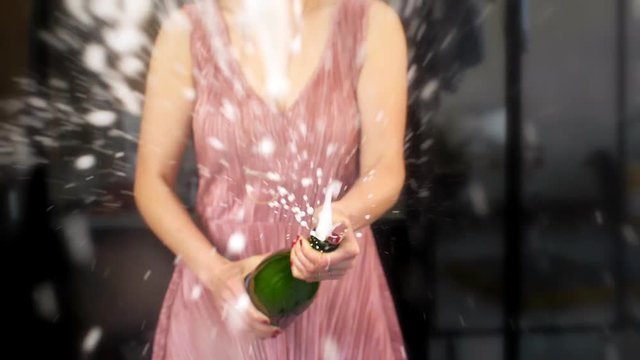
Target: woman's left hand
(311,265)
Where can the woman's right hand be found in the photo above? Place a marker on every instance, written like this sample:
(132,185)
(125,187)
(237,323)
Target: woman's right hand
(225,281)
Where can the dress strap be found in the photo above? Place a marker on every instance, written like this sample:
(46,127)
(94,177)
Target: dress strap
(350,43)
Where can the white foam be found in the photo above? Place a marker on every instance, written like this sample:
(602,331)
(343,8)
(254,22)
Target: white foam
(266,147)
(330,349)
(124,39)
(92,339)
(45,301)
(77,9)
(196,292)
(101,118)
(131,66)
(215,143)
(95,58)
(229,110)
(107,10)
(85,162)
(236,244)
(268,23)
(136,12)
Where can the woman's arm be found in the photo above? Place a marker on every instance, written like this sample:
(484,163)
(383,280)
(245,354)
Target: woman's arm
(382,98)
(164,133)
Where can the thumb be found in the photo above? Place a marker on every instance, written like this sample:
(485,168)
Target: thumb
(252,262)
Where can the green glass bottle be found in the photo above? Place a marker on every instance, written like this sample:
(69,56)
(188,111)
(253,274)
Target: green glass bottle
(276,293)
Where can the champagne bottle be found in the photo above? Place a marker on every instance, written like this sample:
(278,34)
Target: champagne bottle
(271,286)
(276,292)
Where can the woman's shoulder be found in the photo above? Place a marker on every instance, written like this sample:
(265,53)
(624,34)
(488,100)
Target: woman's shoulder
(176,26)
(384,24)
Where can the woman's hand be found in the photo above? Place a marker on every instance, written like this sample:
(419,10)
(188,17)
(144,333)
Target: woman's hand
(311,265)
(226,284)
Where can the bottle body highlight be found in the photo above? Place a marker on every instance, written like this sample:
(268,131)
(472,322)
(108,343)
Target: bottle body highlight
(274,290)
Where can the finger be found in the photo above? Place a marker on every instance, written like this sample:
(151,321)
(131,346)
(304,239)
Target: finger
(314,257)
(298,270)
(259,323)
(341,229)
(270,332)
(348,247)
(226,300)
(261,330)
(235,314)
(309,276)
(235,286)
(256,315)
(301,260)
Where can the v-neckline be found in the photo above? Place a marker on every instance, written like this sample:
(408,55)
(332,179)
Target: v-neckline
(313,78)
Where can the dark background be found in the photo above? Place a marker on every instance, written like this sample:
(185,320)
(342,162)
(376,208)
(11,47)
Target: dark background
(516,237)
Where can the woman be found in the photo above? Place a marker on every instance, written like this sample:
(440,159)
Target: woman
(260,162)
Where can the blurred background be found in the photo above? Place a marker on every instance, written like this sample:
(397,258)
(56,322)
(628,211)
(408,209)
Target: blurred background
(516,236)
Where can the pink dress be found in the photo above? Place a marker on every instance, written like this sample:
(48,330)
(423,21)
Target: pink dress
(259,169)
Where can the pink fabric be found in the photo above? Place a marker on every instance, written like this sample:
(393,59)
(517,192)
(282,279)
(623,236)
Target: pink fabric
(352,318)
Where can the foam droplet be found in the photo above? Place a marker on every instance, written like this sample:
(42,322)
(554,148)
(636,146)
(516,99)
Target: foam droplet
(45,301)
(236,244)
(215,143)
(124,39)
(630,235)
(233,313)
(95,58)
(196,292)
(131,66)
(330,350)
(266,147)
(273,176)
(85,162)
(189,93)
(77,10)
(228,110)
(101,118)
(478,197)
(277,87)
(331,149)
(325,218)
(296,44)
(92,339)
(37,102)
(106,10)
(131,99)
(136,12)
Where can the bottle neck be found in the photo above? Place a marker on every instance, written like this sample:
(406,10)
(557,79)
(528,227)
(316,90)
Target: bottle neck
(321,245)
